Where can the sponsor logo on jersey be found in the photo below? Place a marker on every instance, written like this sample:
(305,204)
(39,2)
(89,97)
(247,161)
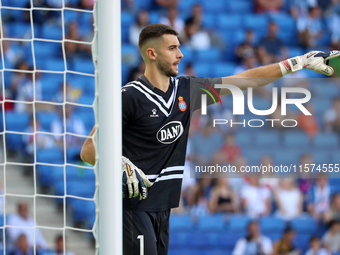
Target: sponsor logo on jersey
(154,113)
(170,132)
(182,105)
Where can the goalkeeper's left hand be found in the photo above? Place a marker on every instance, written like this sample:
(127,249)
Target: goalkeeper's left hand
(134,180)
(316,61)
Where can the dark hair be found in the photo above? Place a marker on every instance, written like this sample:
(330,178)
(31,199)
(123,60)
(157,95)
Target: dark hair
(314,238)
(154,31)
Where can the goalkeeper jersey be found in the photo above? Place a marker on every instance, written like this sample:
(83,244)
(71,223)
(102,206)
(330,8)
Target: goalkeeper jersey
(155,135)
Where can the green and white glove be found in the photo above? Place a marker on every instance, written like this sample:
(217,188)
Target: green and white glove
(134,180)
(316,61)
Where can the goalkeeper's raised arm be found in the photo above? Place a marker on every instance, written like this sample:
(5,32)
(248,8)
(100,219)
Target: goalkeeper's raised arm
(316,61)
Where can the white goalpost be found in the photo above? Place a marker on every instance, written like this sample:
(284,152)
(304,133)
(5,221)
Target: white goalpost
(109,144)
(36,125)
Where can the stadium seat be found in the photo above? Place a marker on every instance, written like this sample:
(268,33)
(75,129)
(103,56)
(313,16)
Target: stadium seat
(321,105)
(214,6)
(240,7)
(84,66)
(52,156)
(178,239)
(130,55)
(209,21)
(47,49)
(46,119)
(211,223)
(256,22)
(302,241)
(14,142)
(16,121)
(80,189)
(285,22)
(229,22)
(286,157)
(335,156)
(327,91)
(70,16)
(53,65)
(227,240)
(82,209)
(268,138)
(238,223)
(326,141)
(184,6)
(199,240)
(142,4)
(16,3)
(244,138)
(321,157)
(52,32)
(46,174)
(181,222)
(296,140)
(127,19)
(304,225)
(271,225)
(223,69)
(294,51)
(203,70)
(205,56)
(21,30)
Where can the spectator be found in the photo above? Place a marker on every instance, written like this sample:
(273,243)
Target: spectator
(289,200)
(10,56)
(256,199)
(285,245)
(165,3)
(197,14)
(333,212)
(19,77)
(73,125)
(331,239)
(198,199)
(22,247)
(72,50)
(42,141)
(271,48)
(193,36)
(205,144)
(319,198)
(189,70)
(29,90)
(72,94)
(310,28)
(254,243)
(137,71)
(248,59)
(173,20)
(222,198)
(332,117)
(269,179)
(59,246)
(142,20)
(247,48)
(24,224)
(308,123)
(229,151)
(265,6)
(299,8)
(315,247)
(305,183)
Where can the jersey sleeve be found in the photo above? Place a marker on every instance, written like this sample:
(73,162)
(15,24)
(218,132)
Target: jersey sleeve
(199,86)
(128,106)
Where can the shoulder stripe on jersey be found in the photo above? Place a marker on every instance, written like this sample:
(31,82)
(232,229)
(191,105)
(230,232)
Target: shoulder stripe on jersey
(150,98)
(161,99)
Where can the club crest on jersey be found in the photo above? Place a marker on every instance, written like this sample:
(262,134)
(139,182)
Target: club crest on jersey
(170,132)
(182,105)
(154,113)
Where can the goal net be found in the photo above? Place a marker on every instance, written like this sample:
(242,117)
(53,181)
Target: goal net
(47,98)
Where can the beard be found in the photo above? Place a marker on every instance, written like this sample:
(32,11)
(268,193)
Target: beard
(166,69)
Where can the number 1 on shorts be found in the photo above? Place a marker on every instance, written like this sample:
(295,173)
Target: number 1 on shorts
(141,241)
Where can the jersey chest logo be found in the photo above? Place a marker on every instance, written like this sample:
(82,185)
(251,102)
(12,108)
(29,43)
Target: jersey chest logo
(170,132)
(182,105)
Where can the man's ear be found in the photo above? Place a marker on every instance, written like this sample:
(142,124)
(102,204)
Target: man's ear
(151,53)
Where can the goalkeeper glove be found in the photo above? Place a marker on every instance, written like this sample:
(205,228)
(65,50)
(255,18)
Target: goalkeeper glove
(316,61)
(134,180)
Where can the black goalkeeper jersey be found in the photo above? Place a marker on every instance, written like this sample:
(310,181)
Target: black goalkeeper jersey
(155,135)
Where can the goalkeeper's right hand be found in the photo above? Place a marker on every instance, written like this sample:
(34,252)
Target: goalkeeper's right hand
(134,180)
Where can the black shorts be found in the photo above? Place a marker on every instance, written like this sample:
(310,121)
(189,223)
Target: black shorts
(151,229)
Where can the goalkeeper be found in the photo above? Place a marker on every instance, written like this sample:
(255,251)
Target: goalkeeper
(156,118)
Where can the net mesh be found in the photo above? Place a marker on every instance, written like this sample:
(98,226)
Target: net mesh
(48,93)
